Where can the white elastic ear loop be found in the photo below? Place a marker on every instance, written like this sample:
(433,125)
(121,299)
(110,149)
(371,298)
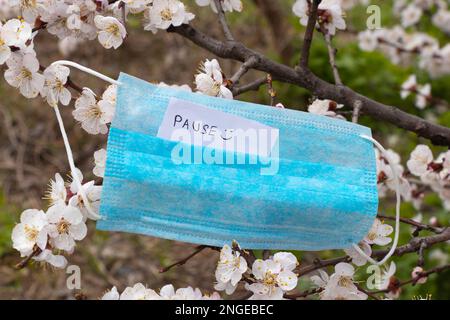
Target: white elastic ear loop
(397,206)
(64,134)
(87,70)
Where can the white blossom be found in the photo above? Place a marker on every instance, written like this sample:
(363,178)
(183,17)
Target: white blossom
(416,273)
(138,292)
(227,5)
(136,6)
(441,19)
(12,33)
(408,86)
(330,15)
(325,108)
(54,89)
(419,160)
(57,261)
(100,162)
(110,94)
(15,33)
(31,9)
(379,233)
(423,95)
(183,87)
(411,15)
(368,40)
(57,191)
(385,278)
(274,277)
(65,226)
(111,33)
(22,73)
(230,267)
(165,13)
(210,80)
(92,193)
(112,294)
(338,286)
(357,258)
(93,115)
(30,232)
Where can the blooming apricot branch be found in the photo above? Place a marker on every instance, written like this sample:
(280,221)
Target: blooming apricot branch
(50,235)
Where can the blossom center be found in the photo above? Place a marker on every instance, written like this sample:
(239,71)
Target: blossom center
(345,281)
(371,236)
(113,29)
(94,112)
(63,226)
(25,74)
(166,14)
(31,233)
(270,279)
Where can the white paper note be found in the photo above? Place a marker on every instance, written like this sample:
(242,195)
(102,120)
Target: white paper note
(202,126)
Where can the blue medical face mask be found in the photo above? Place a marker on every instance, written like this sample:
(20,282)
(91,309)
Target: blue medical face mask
(320,193)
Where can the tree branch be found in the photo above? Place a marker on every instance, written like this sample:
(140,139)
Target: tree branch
(438,135)
(223,21)
(243,70)
(413,246)
(332,58)
(198,249)
(420,226)
(307,39)
(255,85)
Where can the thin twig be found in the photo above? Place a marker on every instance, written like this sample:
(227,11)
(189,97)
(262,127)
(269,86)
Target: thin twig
(413,223)
(332,58)
(184,260)
(22,264)
(223,21)
(252,86)
(356,111)
(272,92)
(304,294)
(370,294)
(243,70)
(307,39)
(414,280)
(421,252)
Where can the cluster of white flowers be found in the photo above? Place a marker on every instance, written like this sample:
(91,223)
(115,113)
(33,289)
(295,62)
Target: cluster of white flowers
(330,14)
(378,235)
(273,276)
(340,285)
(41,233)
(230,268)
(402,47)
(411,11)
(93,114)
(326,108)
(432,172)
(168,292)
(211,81)
(270,278)
(165,13)
(422,92)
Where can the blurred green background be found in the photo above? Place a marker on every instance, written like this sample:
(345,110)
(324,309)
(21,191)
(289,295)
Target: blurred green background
(32,151)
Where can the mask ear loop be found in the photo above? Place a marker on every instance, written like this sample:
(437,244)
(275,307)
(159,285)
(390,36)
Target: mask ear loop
(397,206)
(64,133)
